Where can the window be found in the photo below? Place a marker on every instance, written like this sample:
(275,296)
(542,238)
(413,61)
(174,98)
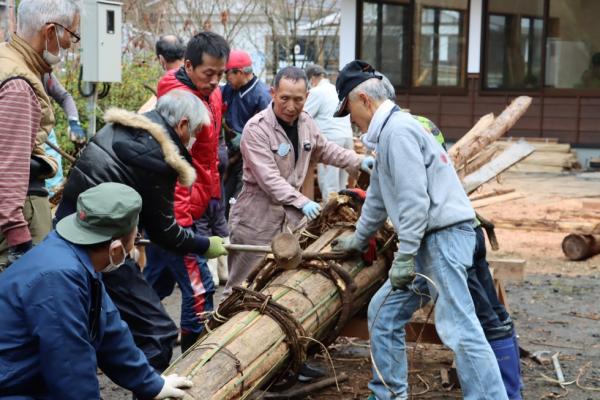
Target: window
(384,43)
(573,44)
(514,44)
(440,48)
(517,55)
(418,43)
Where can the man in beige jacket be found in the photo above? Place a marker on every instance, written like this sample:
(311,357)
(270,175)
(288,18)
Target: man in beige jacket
(278,145)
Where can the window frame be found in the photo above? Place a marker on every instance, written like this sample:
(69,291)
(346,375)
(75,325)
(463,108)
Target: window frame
(408,87)
(543,90)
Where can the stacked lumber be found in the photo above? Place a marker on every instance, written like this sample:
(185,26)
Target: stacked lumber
(552,157)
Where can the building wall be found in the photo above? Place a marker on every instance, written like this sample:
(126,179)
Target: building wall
(571,118)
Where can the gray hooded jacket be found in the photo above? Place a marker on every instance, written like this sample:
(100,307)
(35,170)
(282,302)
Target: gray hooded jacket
(413,182)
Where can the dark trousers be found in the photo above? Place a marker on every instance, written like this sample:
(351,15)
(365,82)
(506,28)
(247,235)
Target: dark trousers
(490,312)
(154,332)
(233,184)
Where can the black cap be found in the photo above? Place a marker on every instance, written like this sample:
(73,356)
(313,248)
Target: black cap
(353,74)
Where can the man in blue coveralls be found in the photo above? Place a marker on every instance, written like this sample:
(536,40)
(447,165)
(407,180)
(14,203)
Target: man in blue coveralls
(58,323)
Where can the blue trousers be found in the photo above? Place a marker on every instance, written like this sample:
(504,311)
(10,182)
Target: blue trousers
(444,257)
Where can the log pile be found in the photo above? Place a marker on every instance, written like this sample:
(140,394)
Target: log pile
(550,156)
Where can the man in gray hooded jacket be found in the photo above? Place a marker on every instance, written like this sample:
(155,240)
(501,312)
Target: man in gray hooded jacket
(415,185)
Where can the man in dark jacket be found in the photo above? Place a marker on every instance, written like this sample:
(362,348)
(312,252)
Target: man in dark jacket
(147,152)
(58,323)
(244,96)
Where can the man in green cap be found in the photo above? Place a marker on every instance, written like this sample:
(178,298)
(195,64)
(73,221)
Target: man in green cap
(58,323)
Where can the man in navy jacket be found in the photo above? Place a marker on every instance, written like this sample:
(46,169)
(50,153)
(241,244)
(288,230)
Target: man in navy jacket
(58,323)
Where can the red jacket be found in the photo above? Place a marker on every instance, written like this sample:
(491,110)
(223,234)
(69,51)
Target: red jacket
(190,203)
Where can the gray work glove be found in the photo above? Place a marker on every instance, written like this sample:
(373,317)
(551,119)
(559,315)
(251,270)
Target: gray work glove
(172,387)
(349,244)
(402,272)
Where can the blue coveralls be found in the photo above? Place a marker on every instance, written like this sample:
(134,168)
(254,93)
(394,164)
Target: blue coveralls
(58,325)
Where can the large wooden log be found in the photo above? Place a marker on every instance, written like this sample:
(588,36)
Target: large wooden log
(473,142)
(251,348)
(579,247)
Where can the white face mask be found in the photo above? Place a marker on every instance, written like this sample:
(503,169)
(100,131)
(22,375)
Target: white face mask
(50,58)
(114,266)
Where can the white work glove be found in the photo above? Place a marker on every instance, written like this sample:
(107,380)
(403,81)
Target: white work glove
(172,387)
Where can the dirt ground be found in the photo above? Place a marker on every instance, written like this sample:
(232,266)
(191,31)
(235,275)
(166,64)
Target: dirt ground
(556,308)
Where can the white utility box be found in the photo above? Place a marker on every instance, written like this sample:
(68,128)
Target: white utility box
(101,40)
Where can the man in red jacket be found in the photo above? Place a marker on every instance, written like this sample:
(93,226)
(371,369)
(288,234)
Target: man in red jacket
(205,59)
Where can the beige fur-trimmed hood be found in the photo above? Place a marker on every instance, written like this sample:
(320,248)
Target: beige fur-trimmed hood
(186,173)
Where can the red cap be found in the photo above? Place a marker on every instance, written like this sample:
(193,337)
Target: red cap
(238,59)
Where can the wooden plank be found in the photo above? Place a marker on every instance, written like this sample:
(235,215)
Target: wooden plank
(495,192)
(509,269)
(590,204)
(497,199)
(531,140)
(529,168)
(585,227)
(509,157)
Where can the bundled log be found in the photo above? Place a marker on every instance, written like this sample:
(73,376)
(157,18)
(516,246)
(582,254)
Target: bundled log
(484,132)
(578,247)
(261,333)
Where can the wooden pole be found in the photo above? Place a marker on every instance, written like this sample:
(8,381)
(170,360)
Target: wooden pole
(578,247)
(484,133)
(239,356)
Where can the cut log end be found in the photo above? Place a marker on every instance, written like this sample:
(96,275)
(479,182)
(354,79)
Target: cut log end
(286,250)
(579,247)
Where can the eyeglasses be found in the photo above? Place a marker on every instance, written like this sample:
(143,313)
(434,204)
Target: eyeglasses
(75,38)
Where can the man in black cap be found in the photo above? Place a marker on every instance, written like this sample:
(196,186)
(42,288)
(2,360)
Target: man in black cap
(415,185)
(58,323)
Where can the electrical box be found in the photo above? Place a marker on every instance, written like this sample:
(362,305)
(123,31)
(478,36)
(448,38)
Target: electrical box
(101,40)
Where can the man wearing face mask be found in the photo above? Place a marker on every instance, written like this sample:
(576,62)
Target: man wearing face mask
(58,323)
(147,152)
(45,29)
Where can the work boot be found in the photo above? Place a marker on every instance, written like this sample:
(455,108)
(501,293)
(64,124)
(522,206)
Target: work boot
(187,340)
(309,372)
(509,364)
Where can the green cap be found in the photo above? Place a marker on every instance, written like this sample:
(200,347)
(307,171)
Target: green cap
(104,212)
